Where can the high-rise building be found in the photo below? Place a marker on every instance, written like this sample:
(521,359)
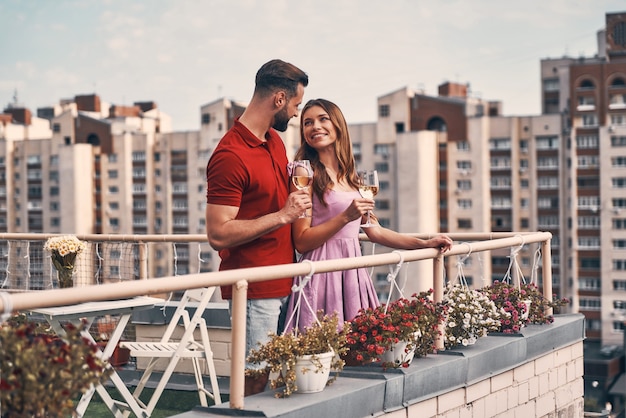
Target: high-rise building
(447,163)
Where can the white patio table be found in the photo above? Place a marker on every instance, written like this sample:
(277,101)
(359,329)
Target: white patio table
(89,311)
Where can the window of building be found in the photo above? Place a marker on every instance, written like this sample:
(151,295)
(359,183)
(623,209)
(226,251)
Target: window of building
(382,204)
(112,158)
(590,283)
(590,120)
(524,203)
(463,146)
(618,120)
(618,182)
(206,118)
(114,189)
(619,305)
(524,223)
(464,223)
(139,172)
(500,202)
(619,326)
(464,165)
(551,84)
(589,263)
(523,183)
(139,156)
(464,184)
(587,141)
(114,222)
(588,222)
(464,203)
(588,202)
(588,182)
(589,242)
(114,205)
(381,149)
(112,174)
(548,182)
(591,304)
(54,191)
(500,144)
(619,244)
(56,127)
(548,221)
(619,265)
(619,223)
(381,167)
(500,163)
(55,222)
(586,84)
(399,127)
(618,162)
(588,161)
(547,143)
(547,162)
(383,110)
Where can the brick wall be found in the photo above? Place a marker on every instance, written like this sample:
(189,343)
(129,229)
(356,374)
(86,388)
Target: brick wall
(549,386)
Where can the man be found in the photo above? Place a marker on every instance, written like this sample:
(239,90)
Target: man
(249,209)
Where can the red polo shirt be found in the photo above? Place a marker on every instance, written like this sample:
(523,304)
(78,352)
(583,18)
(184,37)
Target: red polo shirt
(252,175)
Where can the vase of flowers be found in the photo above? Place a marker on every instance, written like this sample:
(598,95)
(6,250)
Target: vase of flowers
(63,252)
(316,350)
(41,372)
(469,315)
(413,322)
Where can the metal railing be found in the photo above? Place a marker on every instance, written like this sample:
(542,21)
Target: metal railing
(240,278)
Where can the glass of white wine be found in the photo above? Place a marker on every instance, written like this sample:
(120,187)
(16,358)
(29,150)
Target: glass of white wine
(302,176)
(368,187)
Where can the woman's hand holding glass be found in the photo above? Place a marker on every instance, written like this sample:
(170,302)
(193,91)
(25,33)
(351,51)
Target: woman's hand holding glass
(368,187)
(302,176)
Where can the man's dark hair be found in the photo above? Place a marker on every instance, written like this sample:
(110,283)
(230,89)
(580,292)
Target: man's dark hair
(279,75)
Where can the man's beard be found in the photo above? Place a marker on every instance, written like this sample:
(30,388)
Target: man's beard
(281,120)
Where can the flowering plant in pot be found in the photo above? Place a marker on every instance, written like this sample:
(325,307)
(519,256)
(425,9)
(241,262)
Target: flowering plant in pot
(42,373)
(539,304)
(469,315)
(281,353)
(63,252)
(414,321)
(511,303)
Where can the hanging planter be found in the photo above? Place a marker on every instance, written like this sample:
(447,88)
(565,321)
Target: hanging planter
(400,353)
(312,372)
(284,356)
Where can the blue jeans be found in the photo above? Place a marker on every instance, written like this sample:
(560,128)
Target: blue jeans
(262,317)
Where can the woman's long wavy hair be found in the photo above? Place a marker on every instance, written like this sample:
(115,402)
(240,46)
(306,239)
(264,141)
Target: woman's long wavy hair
(343,149)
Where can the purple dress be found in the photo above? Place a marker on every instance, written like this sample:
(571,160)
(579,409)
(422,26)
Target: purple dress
(342,291)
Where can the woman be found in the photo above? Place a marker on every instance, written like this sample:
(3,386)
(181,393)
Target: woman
(332,231)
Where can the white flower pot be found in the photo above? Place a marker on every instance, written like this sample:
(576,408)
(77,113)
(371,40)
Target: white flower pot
(308,378)
(396,354)
(527,312)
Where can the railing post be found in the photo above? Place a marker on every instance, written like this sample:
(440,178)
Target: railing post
(238,344)
(546,269)
(143,260)
(438,276)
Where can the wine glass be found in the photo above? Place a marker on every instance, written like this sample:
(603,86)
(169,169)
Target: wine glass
(302,176)
(368,187)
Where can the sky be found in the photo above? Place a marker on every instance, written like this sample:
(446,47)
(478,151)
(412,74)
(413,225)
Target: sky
(183,54)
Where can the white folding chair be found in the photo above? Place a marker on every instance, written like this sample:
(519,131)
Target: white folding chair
(186,348)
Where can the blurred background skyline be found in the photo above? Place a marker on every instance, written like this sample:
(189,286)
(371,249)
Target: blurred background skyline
(187,53)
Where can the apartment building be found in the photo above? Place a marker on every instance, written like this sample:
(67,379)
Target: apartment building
(447,163)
